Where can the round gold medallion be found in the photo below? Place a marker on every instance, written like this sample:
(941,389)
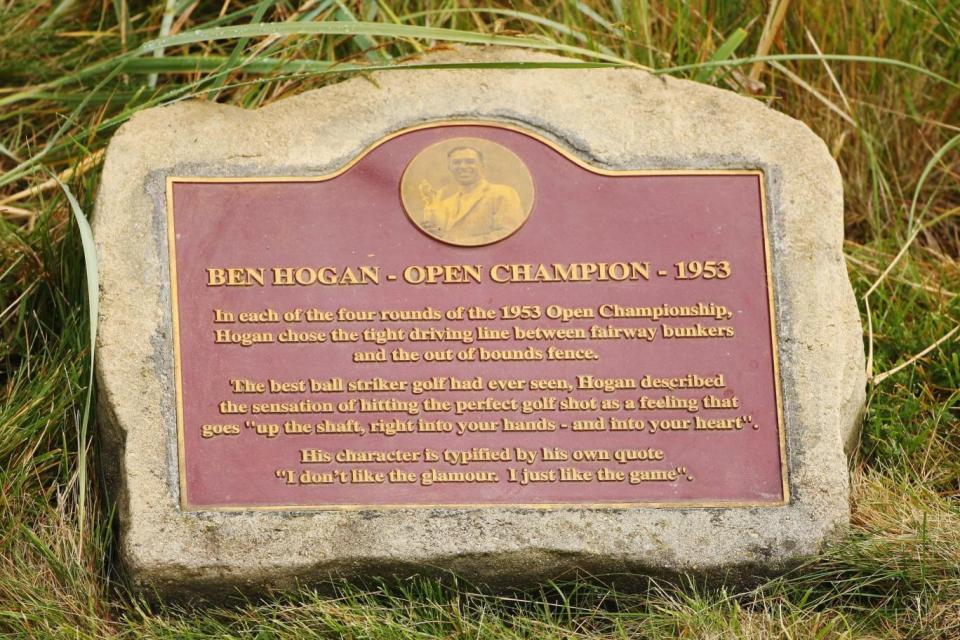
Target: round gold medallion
(467,191)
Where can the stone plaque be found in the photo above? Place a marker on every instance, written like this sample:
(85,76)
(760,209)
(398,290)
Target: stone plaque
(510,341)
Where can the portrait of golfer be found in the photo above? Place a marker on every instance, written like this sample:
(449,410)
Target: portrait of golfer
(465,206)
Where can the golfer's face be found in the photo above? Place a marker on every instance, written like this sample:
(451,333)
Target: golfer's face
(465,166)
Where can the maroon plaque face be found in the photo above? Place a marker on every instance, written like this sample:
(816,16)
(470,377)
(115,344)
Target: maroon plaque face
(466,315)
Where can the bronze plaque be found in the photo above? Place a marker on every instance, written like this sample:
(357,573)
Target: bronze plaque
(467,314)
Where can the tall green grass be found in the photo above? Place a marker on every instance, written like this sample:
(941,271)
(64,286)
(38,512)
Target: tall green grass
(878,81)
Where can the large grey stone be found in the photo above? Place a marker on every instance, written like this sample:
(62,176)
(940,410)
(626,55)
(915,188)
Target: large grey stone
(621,119)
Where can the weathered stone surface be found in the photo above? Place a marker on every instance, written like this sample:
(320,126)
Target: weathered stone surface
(621,119)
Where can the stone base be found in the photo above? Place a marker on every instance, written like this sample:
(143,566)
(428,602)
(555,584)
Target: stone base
(619,119)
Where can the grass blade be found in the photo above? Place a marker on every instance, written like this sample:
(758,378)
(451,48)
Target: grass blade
(93,303)
(723,52)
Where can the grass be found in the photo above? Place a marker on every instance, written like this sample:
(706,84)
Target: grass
(876,80)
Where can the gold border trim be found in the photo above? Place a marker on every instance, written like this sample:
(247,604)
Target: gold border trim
(775,351)
(177,374)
